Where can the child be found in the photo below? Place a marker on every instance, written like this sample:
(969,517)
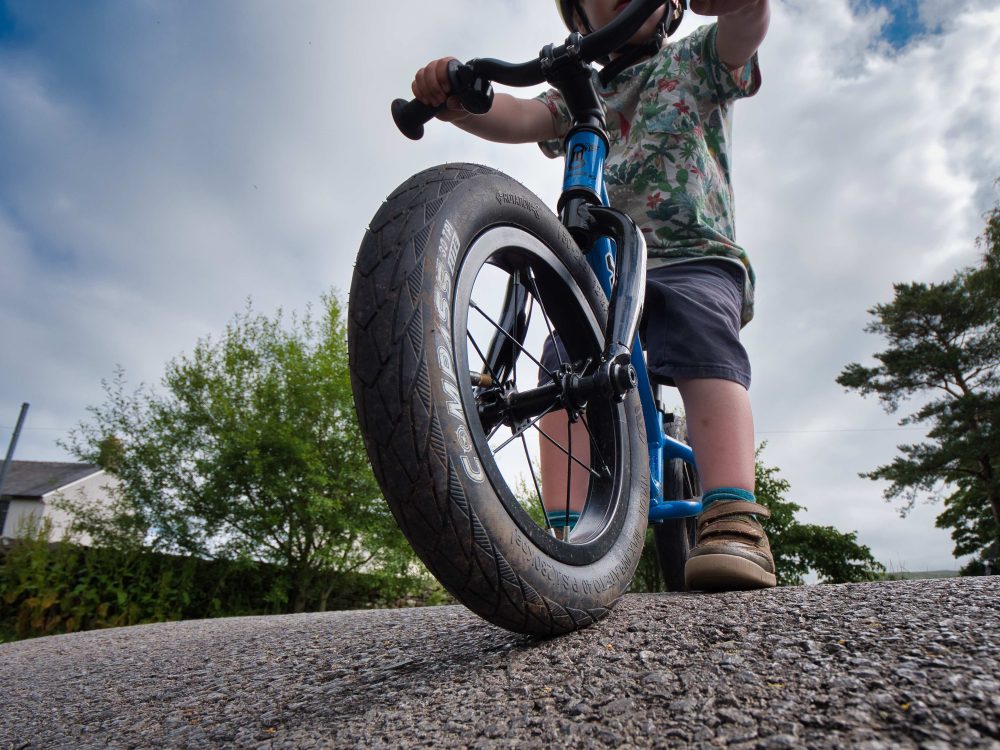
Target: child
(668,115)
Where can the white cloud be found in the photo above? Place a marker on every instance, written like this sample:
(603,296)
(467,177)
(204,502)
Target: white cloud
(162,162)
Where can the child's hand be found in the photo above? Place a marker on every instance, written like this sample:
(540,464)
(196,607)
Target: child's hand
(431,86)
(722,7)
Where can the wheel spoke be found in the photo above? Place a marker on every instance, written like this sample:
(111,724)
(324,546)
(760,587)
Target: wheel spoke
(516,343)
(593,443)
(513,364)
(589,469)
(482,357)
(521,430)
(534,479)
(569,475)
(533,286)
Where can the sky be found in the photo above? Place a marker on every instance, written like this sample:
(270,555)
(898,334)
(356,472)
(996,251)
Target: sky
(161,162)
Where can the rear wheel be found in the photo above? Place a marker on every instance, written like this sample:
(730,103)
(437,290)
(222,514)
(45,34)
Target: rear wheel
(676,536)
(461,277)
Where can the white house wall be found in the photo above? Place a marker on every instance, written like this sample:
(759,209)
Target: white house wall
(93,489)
(22,515)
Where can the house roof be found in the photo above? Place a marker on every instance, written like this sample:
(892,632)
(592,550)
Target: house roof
(35,479)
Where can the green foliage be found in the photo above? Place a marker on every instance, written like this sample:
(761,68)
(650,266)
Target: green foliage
(648,576)
(944,347)
(58,587)
(253,453)
(527,494)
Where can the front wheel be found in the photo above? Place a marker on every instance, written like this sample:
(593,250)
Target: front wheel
(461,278)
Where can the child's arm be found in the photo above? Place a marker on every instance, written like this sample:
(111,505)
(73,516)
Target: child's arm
(742,27)
(510,120)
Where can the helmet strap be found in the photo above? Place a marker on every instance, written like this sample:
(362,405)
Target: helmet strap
(578,10)
(633,53)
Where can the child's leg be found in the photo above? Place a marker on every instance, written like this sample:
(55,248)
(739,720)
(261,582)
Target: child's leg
(732,550)
(565,481)
(720,427)
(559,481)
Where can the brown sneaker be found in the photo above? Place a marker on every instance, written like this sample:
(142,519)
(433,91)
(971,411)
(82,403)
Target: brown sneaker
(731,551)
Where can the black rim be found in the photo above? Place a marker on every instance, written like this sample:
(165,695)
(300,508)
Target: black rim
(507,350)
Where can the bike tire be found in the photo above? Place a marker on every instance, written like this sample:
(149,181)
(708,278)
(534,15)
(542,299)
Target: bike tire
(422,424)
(675,537)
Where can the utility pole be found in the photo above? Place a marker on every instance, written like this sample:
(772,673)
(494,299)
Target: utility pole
(13,444)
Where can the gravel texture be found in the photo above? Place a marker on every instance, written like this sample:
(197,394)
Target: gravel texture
(912,664)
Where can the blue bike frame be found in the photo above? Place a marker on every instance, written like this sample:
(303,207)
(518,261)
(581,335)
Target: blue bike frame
(586,153)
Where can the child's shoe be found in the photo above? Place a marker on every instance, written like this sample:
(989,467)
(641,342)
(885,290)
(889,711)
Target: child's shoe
(731,551)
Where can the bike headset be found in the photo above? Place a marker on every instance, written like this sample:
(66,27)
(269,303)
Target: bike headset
(630,53)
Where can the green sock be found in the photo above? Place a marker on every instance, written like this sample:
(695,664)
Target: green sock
(558,518)
(726,494)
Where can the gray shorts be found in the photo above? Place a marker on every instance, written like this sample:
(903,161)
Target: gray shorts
(690,324)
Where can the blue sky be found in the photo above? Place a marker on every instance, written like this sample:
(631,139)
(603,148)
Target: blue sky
(904,22)
(8,26)
(161,162)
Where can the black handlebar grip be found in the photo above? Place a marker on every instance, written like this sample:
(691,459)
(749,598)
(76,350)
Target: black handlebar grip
(410,117)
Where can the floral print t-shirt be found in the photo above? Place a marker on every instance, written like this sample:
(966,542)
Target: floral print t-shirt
(670,124)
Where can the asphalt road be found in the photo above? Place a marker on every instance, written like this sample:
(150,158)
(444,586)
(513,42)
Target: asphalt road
(885,665)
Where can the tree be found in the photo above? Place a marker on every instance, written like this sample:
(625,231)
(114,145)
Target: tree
(253,453)
(835,556)
(944,348)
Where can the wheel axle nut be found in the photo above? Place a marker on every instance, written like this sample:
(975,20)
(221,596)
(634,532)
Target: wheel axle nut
(623,378)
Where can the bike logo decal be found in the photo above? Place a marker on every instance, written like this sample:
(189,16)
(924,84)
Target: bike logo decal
(517,200)
(447,256)
(582,160)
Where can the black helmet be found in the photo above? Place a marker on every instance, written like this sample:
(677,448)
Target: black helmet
(671,20)
(631,53)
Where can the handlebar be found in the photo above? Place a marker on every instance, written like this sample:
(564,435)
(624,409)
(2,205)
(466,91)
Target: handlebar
(472,81)
(617,33)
